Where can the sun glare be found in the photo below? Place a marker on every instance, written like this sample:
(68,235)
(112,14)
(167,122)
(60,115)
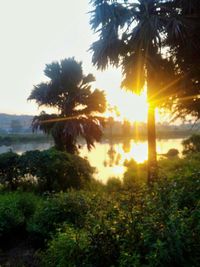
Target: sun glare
(131,107)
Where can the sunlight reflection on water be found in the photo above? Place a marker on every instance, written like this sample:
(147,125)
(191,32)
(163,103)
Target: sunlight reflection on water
(108,158)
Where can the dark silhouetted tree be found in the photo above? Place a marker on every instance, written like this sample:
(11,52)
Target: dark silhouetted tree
(191,144)
(77,106)
(186,56)
(135,35)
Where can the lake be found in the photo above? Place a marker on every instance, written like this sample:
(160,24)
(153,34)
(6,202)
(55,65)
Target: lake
(108,157)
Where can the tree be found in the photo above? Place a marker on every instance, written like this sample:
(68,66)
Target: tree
(186,56)
(69,92)
(134,35)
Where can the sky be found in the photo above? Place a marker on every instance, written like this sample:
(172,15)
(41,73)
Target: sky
(37,32)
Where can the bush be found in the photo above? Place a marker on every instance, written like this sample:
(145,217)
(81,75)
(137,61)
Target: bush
(154,227)
(67,249)
(56,170)
(173,152)
(113,185)
(51,169)
(135,175)
(103,248)
(192,144)
(15,211)
(9,169)
(69,207)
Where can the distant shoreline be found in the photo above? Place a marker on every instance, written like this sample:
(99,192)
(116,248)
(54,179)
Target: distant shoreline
(160,135)
(9,139)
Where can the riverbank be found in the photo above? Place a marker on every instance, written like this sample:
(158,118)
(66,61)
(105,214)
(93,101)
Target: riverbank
(9,139)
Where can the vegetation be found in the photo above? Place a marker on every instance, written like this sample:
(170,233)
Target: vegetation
(69,92)
(135,34)
(48,170)
(52,211)
(186,98)
(192,144)
(9,139)
(123,223)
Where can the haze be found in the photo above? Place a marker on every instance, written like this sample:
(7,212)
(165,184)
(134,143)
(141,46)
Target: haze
(34,33)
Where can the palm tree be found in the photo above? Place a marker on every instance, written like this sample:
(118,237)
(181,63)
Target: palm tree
(76,106)
(187,61)
(133,35)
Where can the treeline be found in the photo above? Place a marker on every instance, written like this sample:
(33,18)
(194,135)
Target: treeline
(9,139)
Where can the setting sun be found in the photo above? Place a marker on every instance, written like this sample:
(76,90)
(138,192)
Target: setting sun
(130,106)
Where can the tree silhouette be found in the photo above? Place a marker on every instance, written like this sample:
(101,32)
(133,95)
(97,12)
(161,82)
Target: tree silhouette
(69,93)
(186,56)
(135,35)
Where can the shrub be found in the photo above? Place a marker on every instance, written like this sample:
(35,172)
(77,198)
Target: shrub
(192,144)
(66,249)
(15,210)
(69,207)
(56,170)
(173,152)
(9,169)
(135,175)
(113,185)
(103,248)
(53,170)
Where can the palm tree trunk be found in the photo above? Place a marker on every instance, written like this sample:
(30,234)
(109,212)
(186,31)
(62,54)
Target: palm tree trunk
(152,159)
(151,130)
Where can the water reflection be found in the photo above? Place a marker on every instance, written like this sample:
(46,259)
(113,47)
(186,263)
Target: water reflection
(108,158)
(126,145)
(113,157)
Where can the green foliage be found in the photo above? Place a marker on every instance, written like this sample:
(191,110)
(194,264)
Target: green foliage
(15,210)
(56,170)
(69,92)
(131,225)
(192,144)
(184,167)
(155,227)
(9,170)
(66,249)
(113,185)
(48,170)
(135,175)
(70,208)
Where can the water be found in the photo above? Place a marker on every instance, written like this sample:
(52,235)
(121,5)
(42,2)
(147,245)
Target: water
(107,157)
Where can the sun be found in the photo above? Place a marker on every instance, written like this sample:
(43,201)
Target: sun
(130,106)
